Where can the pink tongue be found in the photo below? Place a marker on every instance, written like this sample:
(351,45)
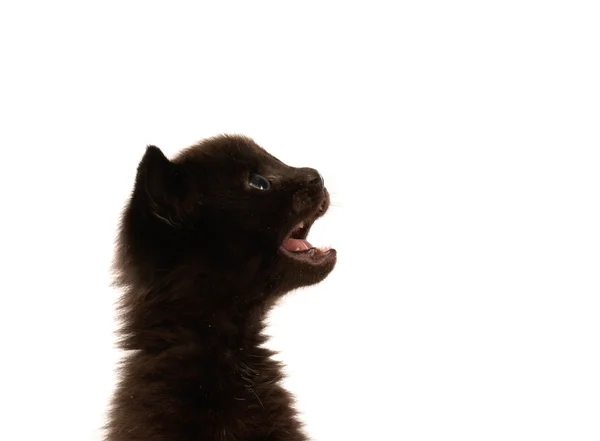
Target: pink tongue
(296,245)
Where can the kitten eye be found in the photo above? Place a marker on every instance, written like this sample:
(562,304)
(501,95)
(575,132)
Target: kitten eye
(258,182)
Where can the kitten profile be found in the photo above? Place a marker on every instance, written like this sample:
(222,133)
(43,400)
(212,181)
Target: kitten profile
(208,242)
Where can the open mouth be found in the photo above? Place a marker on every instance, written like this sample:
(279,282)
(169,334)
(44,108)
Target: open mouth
(297,247)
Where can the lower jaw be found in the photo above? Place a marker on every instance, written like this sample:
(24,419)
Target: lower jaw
(312,256)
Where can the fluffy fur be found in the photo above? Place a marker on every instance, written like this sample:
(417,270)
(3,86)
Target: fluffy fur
(200,262)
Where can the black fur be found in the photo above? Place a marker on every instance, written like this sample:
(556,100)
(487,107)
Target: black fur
(200,261)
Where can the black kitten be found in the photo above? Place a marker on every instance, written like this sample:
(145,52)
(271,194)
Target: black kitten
(208,242)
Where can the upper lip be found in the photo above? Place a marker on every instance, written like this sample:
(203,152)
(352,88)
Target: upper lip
(301,229)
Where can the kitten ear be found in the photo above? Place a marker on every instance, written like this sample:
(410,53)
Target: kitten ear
(158,180)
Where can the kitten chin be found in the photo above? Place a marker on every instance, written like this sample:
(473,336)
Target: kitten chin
(208,241)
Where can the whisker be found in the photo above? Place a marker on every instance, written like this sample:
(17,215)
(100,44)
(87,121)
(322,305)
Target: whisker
(261,403)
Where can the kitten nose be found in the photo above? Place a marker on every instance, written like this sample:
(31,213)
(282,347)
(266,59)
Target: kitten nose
(313,177)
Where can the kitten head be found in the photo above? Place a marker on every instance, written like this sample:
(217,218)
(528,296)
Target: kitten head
(226,214)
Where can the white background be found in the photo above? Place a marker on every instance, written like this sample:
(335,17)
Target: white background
(460,142)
